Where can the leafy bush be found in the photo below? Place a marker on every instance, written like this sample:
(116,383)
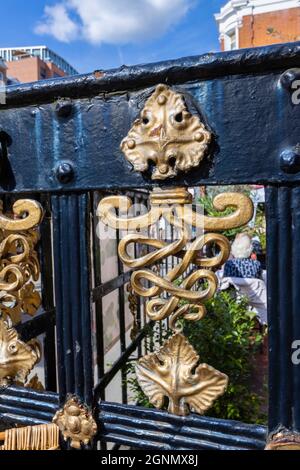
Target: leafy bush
(227,339)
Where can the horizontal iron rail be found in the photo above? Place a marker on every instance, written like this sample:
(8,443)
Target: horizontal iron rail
(109,286)
(23,403)
(22,406)
(36,326)
(30,394)
(228,90)
(154,429)
(243,61)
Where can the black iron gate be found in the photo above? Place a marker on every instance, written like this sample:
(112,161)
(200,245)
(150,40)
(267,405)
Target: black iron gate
(60,146)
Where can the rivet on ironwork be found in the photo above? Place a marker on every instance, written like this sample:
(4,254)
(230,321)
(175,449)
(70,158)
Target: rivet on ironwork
(290,160)
(64,172)
(289,77)
(63,108)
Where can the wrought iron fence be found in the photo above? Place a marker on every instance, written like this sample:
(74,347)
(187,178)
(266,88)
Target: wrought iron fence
(60,147)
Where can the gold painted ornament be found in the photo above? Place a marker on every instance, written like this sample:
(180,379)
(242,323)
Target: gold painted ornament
(181,293)
(173,140)
(76,423)
(19,265)
(167,135)
(173,372)
(133,305)
(284,440)
(17,358)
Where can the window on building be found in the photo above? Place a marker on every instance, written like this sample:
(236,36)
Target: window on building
(43,74)
(232,43)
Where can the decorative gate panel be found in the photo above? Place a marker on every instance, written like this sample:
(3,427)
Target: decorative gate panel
(69,146)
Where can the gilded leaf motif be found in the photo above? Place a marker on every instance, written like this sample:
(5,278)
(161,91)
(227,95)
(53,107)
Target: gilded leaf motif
(30,299)
(172,372)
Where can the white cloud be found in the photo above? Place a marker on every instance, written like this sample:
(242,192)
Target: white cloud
(112,21)
(57,23)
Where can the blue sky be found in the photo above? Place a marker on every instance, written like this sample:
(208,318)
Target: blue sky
(102,34)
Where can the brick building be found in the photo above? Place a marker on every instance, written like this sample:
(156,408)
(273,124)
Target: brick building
(251,23)
(29,64)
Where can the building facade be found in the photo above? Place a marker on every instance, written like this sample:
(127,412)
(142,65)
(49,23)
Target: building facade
(252,23)
(3,69)
(29,64)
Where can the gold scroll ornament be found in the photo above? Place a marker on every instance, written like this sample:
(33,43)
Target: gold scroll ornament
(167,135)
(133,306)
(19,268)
(19,265)
(173,371)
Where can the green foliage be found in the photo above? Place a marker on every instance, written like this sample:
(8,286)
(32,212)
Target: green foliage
(260,227)
(227,339)
(132,383)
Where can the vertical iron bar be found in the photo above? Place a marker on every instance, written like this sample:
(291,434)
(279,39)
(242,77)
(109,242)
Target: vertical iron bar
(137,255)
(45,247)
(283,272)
(99,336)
(296,301)
(122,330)
(98,302)
(285,304)
(71,240)
(272,296)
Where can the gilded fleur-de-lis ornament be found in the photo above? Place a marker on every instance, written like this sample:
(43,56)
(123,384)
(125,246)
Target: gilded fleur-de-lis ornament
(167,135)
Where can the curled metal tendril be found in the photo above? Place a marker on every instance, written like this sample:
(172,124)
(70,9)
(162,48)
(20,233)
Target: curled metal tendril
(174,371)
(18,259)
(182,217)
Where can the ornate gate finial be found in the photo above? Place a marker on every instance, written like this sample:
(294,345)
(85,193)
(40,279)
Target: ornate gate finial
(167,135)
